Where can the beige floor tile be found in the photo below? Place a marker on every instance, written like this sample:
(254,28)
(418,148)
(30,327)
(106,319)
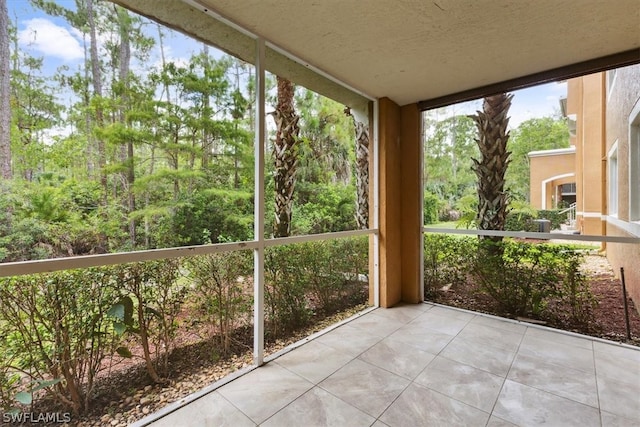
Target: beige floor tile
(503,324)
(422,338)
(349,340)
(404,314)
(376,324)
(617,350)
(619,369)
(420,406)
(365,386)
(497,337)
(440,323)
(559,380)
(527,406)
(612,420)
(211,410)
(395,356)
(557,353)
(480,354)
(264,391)
(314,361)
(560,338)
(465,383)
(619,398)
(318,408)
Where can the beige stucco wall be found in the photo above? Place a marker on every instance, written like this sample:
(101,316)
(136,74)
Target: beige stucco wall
(545,167)
(623,96)
(585,98)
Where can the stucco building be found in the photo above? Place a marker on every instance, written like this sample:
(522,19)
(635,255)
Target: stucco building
(603,110)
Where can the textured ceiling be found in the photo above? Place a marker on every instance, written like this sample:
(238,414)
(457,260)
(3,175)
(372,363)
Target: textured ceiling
(412,50)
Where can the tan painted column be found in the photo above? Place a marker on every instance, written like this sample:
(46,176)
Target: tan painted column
(400,199)
(410,192)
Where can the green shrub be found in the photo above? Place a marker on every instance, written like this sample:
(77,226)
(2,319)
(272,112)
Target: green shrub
(431,207)
(221,296)
(151,297)
(286,307)
(313,278)
(55,328)
(521,220)
(447,260)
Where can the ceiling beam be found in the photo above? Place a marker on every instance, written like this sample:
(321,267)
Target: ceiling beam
(629,57)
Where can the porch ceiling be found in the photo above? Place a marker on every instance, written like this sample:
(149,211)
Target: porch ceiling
(412,50)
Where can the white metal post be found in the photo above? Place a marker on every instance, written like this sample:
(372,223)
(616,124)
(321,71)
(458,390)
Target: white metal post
(258,252)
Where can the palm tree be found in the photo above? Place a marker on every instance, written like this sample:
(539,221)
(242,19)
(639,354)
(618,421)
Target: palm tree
(362,171)
(285,157)
(492,139)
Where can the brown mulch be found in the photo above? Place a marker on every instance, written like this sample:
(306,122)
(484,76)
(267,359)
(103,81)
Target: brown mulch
(606,321)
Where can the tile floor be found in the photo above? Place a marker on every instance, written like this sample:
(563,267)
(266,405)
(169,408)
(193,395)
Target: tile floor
(428,365)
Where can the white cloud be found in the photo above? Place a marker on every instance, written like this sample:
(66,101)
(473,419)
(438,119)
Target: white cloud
(50,39)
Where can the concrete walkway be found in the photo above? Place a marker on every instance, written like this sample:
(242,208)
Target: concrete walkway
(428,365)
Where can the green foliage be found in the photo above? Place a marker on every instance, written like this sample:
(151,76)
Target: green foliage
(449,146)
(150,298)
(544,133)
(431,208)
(222,291)
(209,214)
(54,326)
(528,279)
(313,277)
(322,208)
(448,260)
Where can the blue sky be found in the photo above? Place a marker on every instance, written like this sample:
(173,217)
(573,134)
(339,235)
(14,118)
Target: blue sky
(51,38)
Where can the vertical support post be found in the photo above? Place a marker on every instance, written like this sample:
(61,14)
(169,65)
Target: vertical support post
(376,207)
(258,252)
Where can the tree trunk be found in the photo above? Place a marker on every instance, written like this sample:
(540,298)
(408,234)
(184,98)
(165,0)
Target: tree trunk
(96,75)
(5,94)
(362,171)
(125,59)
(492,139)
(285,157)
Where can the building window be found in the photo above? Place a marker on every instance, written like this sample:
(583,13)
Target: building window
(612,162)
(634,164)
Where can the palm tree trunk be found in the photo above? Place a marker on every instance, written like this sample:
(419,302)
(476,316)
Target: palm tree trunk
(492,140)
(362,171)
(285,157)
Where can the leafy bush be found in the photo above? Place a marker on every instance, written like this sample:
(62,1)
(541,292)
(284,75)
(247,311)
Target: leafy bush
(447,260)
(209,214)
(319,277)
(526,278)
(431,207)
(521,220)
(151,297)
(323,208)
(55,330)
(220,293)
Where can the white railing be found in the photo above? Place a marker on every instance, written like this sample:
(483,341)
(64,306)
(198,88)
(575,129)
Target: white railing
(571,214)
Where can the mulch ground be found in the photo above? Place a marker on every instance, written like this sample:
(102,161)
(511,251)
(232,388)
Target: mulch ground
(606,321)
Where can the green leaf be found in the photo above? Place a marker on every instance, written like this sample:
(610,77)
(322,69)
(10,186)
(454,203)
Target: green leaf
(45,383)
(124,352)
(24,397)
(116,311)
(119,327)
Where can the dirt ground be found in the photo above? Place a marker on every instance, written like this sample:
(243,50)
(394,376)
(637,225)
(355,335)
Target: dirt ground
(608,317)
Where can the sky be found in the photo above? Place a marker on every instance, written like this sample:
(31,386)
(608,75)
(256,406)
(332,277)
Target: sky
(59,44)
